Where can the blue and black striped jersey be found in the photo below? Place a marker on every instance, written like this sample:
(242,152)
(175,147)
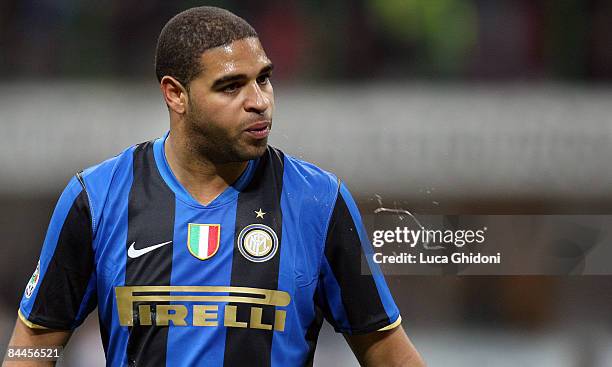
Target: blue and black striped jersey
(245,280)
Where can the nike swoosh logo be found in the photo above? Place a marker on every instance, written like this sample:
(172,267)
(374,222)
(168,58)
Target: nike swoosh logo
(134,253)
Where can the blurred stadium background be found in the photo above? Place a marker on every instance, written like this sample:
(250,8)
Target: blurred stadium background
(437,106)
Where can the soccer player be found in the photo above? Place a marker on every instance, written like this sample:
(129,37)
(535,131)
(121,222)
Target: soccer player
(207,247)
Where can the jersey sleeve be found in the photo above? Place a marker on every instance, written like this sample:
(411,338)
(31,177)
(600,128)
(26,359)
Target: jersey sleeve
(354,302)
(62,290)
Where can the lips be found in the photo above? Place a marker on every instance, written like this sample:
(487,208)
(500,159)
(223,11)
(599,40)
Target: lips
(259,130)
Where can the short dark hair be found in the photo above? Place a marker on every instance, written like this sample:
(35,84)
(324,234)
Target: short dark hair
(188,34)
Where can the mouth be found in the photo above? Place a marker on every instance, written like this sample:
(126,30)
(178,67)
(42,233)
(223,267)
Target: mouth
(259,130)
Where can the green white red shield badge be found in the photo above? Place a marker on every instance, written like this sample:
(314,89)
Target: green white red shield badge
(203,239)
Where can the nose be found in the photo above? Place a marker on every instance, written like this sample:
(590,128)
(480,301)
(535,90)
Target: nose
(256,100)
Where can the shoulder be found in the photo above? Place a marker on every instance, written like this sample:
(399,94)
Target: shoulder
(102,174)
(101,180)
(308,178)
(308,174)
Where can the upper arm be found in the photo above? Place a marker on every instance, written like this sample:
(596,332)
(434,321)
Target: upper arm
(24,335)
(354,296)
(385,348)
(62,290)
(353,300)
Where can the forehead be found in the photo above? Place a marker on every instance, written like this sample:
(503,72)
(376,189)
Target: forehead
(245,56)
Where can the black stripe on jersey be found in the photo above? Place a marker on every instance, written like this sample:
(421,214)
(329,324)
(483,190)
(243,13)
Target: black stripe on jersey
(343,252)
(64,283)
(253,347)
(151,209)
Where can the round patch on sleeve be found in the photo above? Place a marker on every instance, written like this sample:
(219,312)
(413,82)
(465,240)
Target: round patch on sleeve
(33,281)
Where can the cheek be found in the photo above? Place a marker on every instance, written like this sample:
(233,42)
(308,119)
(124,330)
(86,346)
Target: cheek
(270,96)
(226,121)
(270,93)
(214,112)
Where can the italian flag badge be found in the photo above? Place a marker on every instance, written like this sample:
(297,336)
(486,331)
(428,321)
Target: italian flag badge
(203,239)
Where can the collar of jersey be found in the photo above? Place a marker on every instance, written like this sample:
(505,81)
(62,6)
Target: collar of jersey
(229,194)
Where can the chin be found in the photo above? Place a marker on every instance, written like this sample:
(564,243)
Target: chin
(252,151)
(258,151)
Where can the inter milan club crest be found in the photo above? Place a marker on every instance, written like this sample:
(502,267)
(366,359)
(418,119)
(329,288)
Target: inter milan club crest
(257,242)
(203,239)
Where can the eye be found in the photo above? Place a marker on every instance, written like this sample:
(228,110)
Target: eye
(231,88)
(263,79)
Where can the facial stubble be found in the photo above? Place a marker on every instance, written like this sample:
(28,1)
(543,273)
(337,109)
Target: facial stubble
(217,144)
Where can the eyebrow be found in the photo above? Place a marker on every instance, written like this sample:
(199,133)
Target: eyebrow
(236,77)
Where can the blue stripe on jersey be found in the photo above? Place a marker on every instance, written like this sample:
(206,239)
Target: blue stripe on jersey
(383,291)
(227,195)
(194,345)
(305,193)
(110,257)
(288,348)
(70,193)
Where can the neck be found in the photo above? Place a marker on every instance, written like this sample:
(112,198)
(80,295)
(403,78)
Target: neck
(202,178)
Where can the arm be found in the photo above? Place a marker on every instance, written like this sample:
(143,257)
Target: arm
(385,348)
(25,336)
(62,289)
(359,303)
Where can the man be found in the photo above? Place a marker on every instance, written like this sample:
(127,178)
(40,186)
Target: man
(207,247)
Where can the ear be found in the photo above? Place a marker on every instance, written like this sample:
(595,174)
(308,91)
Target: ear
(174,94)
